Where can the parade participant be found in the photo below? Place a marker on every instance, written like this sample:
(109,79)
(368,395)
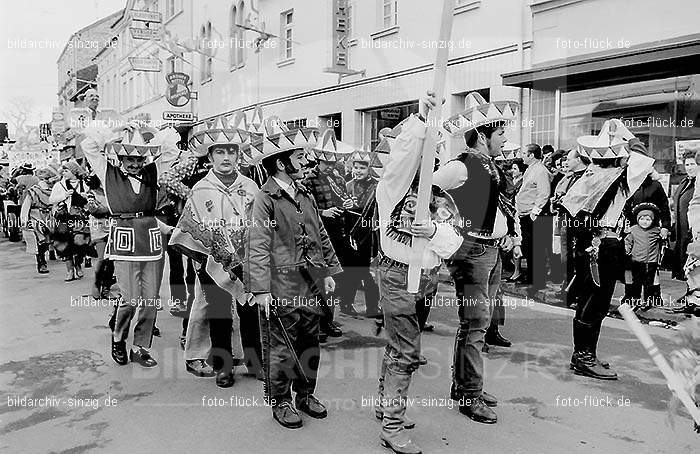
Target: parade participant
(36,215)
(535,223)
(595,203)
(71,237)
(24,179)
(212,231)
(361,189)
(491,224)
(576,165)
(329,191)
(135,242)
(643,247)
(99,232)
(396,195)
(289,268)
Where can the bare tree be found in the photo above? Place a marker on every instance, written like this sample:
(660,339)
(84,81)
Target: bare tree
(19,110)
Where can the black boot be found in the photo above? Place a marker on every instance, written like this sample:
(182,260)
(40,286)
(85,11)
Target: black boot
(585,363)
(493,337)
(41,266)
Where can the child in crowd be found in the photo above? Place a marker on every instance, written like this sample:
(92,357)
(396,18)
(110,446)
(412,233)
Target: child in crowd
(643,248)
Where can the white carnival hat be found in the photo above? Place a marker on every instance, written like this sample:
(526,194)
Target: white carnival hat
(610,143)
(134,143)
(277,138)
(229,129)
(330,149)
(478,112)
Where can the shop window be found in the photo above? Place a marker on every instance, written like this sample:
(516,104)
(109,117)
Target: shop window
(658,112)
(384,117)
(542,110)
(333,121)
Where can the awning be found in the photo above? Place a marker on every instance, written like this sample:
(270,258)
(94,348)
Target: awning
(656,60)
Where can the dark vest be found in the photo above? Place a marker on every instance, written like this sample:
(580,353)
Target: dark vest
(136,238)
(477,198)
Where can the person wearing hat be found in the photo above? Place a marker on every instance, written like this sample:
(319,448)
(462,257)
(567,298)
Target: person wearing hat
(212,231)
(36,214)
(25,178)
(290,261)
(361,189)
(135,244)
(595,203)
(71,237)
(491,225)
(329,190)
(643,248)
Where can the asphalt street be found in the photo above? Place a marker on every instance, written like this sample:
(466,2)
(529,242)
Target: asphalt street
(55,354)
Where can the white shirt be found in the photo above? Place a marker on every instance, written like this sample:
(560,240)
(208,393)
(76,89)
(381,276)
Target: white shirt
(286,187)
(453,175)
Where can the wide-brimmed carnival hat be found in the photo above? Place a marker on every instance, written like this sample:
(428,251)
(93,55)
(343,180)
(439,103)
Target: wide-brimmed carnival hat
(479,112)
(329,148)
(277,138)
(510,150)
(135,142)
(227,129)
(610,143)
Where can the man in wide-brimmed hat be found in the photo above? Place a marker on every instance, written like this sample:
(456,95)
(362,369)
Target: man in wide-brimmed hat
(596,202)
(491,224)
(36,214)
(212,231)
(290,262)
(135,244)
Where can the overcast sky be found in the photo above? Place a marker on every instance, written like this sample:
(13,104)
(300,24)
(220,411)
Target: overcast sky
(33,72)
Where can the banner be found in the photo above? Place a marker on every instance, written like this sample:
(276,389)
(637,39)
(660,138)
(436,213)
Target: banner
(40,158)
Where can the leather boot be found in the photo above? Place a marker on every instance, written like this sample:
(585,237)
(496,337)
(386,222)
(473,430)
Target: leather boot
(41,266)
(394,436)
(584,363)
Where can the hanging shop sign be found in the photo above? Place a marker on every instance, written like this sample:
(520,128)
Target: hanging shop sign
(153,65)
(145,16)
(144,33)
(178,92)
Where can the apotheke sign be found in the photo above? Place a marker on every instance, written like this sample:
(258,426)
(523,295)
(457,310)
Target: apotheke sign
(179,116)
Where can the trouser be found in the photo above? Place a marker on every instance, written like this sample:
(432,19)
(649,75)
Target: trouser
(139,287)
(219,305)
(190,278)
(197,340)
(250,336)
(303,327)
(594,305)
(536,247)
(423,304)
(359,275)
(498,312)
(41,254)
(104,268)
(477,277)
(644,276)
(347,282)
(402,352)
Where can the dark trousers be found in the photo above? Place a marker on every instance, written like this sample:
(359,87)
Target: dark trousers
(302,326)
(593,306)
(181,282)
(477,277)
(537,248)
(250,336)
(220,322)
(643,277)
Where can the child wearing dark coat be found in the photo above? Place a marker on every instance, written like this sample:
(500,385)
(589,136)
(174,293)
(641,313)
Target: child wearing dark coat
(643,248)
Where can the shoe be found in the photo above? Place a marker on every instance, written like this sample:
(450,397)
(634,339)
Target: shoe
(350,311)
(183,340)
(400,443)
(199,368)
(422,360)
(225,379)
(70,276)
(311,406)
(493,337)
(79,272)
(156,331)
(88,262)
(477,410)
(43,269)
(285,414)
(142,357)
(489,399)
(429,328)
(119,352)
(584,363)
(332,330)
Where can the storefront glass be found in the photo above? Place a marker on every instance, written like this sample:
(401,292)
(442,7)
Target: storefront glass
(659,112)
(385,117)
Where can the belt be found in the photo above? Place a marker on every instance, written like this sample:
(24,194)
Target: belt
(493,242)
(138,214)
(384,260)
(609,234)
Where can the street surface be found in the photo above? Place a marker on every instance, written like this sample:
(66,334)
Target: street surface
(60,354)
